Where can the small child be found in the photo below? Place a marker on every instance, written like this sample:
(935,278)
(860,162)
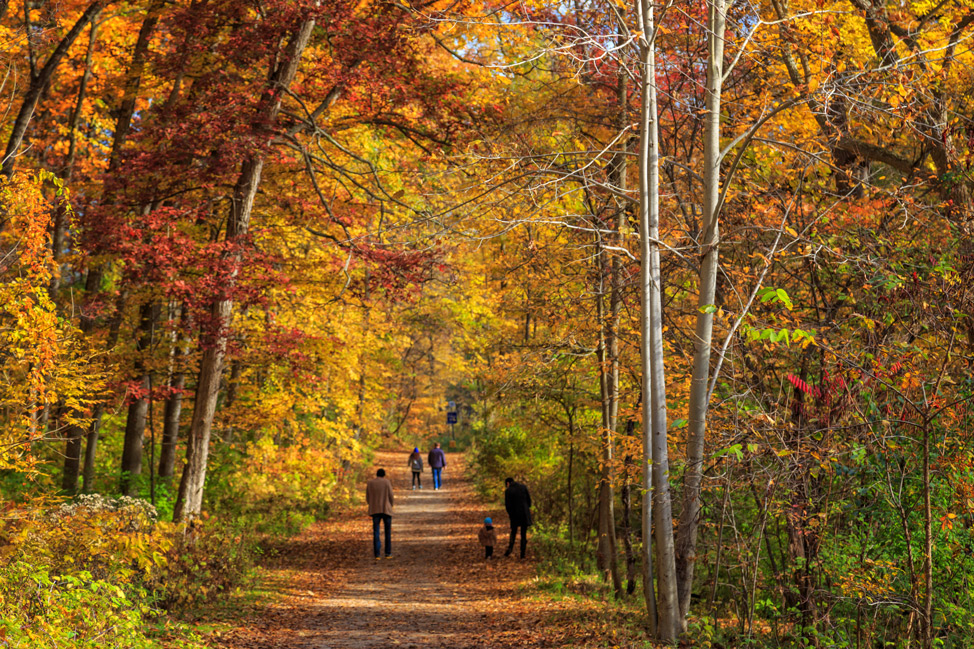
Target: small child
(488,537)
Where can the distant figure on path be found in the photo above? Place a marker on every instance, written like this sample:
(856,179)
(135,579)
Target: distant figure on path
(488,537)
(378,495)
(517,502)
(416,464)
(437,462)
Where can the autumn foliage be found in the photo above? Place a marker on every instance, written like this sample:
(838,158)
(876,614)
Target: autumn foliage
(245,244)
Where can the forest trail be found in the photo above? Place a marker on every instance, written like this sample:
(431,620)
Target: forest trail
(436,591)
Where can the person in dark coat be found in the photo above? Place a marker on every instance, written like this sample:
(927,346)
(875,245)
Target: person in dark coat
(517,502)
(437,462)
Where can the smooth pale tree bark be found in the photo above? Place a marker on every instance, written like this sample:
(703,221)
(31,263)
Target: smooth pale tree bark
(667,604)
(608,348)
(686,543)
(657,510)
(654,374)
(189,501)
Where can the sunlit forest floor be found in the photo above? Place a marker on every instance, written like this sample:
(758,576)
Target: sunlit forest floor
(327,591)
(323,589)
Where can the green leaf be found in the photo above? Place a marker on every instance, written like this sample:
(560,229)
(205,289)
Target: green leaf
(736,450)
(783,296)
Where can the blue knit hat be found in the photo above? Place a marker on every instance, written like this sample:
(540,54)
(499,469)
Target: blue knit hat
(487,521)
(415,450)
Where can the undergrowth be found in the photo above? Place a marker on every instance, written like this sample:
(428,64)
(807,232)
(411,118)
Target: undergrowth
(97,571)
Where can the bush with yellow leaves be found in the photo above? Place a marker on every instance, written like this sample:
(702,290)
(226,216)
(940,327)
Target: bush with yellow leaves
(83,574)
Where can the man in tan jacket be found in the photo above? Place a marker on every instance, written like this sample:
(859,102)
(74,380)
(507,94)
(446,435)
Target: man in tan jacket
(378,495)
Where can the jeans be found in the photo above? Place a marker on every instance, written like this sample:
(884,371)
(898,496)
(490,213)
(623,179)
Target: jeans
(417,480)
(524,539)
(488,551)
(376,542)
(437,480)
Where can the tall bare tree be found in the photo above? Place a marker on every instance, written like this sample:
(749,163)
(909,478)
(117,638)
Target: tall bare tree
(657,509)
(703,333)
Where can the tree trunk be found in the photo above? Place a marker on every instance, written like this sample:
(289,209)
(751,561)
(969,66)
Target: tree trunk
(606,552)
(92,284)
(654,374)
(708,243)
(170,427)
(38,83)
(571,487)
(59,229)
(134,439)
(626,497)
(91,449)
(79,104)
(648,218)
(927,543)
(139,407)
(233,384)
(189,501)
(87,324)
(75,435)
(172,410)
(608,349)
(133,81)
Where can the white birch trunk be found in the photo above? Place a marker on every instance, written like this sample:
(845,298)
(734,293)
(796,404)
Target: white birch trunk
(708,243)
(656,500)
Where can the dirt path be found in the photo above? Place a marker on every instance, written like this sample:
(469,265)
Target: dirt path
(436,591)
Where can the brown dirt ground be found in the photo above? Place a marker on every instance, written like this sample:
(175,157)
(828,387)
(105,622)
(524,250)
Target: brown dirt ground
(436,591)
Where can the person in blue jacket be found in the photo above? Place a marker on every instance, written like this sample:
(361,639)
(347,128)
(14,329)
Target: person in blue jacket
(437,462)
